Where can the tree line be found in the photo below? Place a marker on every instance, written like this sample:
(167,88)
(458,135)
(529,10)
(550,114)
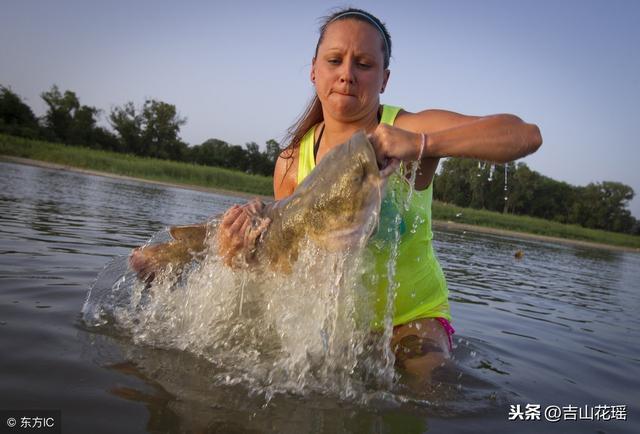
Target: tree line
(520,190)
(152,130)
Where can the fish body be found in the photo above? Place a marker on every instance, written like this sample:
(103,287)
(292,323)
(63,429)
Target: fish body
(336,206)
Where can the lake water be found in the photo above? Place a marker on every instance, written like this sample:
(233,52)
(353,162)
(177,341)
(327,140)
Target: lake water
(559,327)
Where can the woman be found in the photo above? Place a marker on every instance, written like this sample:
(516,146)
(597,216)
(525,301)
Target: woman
(349,72)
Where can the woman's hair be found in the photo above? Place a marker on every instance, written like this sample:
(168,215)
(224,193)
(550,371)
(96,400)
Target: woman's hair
(313,112)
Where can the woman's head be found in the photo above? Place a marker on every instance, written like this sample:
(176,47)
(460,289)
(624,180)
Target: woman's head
(349,70)
(362,16)
(351,60)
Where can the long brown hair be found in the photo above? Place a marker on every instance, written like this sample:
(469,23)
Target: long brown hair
(312,114)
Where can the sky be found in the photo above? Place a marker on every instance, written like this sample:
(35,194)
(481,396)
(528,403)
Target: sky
(239,71)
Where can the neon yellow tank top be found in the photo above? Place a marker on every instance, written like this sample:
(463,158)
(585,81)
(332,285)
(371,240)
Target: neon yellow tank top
(420,286)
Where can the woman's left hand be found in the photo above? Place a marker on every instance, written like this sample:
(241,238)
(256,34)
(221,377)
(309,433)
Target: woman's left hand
(239,230)
(393,143)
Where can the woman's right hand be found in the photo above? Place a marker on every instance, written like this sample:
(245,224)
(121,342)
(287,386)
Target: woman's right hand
(239,230)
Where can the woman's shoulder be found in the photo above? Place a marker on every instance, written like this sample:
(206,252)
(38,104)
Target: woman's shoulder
(285,172)
(291,151)
(287,159)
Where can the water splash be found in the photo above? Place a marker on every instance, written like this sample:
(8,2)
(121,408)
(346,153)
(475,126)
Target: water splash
(415,166)
(297,333)
(505,181)
(243,284)
(388,355)
(303,332)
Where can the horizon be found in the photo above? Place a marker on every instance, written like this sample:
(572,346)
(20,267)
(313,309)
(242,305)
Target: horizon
(571,68)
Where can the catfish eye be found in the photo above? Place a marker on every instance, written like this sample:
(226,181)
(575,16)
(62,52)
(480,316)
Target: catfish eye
(358,176)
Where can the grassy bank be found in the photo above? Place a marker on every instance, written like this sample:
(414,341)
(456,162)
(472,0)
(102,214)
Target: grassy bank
(139,167)
(218,178)
(532,225)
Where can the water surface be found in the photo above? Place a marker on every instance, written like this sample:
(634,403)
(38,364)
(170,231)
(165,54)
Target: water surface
(557,327)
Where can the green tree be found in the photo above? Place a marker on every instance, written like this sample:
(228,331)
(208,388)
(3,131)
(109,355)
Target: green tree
(59,116)
(616,197)
(236,158)
(452,184)
(551,199)
(105,139)
(69,121)
(152,131)
(128,125)
(520,189)
(83,126)
(212,152)
(273,151)
(253,158)
(16,117)
(161,125)
(604,206)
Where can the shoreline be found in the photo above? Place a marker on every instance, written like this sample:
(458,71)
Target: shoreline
(56,166)
(437,224)
(441,224)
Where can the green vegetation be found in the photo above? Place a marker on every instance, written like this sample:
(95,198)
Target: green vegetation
(470,184)
(139,167)
(532,225)
(213,177)
(151,130)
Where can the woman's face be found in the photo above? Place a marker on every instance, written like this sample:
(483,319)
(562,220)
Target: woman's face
(348,71)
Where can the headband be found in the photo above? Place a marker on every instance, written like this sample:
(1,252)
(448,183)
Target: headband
(369,19)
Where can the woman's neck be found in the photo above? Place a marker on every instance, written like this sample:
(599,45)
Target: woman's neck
(337,132)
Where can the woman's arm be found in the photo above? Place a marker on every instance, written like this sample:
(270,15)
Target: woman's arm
(496,138)
(285,175)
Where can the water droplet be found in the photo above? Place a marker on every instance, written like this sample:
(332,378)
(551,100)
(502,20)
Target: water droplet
(505,177)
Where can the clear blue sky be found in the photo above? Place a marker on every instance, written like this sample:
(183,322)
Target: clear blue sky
(238,71)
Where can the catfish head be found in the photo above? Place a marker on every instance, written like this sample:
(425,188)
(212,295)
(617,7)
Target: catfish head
(337,205)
